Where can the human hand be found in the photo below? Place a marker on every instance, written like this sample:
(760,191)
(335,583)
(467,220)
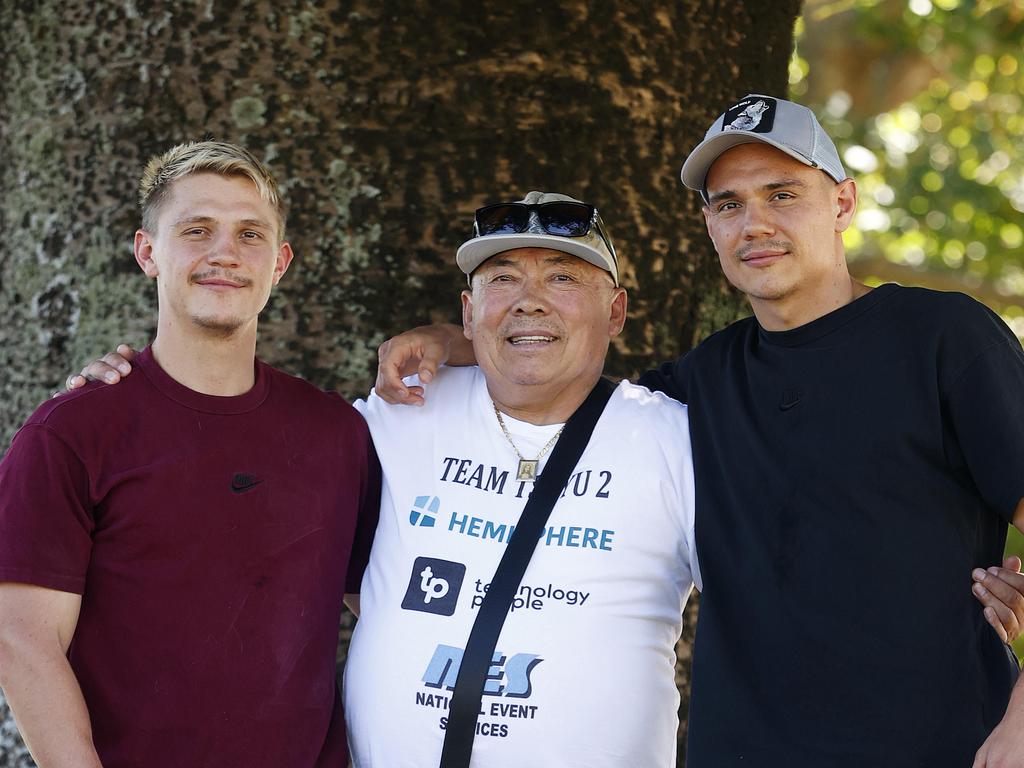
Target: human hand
(1004,747)
(108,369)
(421,351)
(1001,591)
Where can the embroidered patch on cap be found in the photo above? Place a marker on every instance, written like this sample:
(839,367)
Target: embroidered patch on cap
(755,114)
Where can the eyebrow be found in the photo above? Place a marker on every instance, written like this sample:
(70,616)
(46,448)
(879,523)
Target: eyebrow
(780,184)
(255,223)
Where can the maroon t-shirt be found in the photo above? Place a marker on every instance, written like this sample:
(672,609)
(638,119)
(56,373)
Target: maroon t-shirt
(212,540)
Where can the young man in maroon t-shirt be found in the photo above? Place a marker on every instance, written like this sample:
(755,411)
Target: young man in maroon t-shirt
(174,552)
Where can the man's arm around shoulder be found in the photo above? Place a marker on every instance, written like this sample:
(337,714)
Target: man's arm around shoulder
(36,626)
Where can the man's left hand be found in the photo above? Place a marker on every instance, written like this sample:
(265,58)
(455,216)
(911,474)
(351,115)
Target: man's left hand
(1001,591)
(1004,747)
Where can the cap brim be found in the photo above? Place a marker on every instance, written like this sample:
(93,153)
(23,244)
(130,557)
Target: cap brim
(473,253)
(695,169)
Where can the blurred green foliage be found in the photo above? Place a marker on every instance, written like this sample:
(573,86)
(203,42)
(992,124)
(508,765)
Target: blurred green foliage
(940,168)
(925,100)
(1015,546)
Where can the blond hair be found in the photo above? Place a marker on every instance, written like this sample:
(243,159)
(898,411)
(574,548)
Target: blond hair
(203,157)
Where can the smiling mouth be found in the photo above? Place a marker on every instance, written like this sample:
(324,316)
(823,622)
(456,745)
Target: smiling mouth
(531,339)
(208,280)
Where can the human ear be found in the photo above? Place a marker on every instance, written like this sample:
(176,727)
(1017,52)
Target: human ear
(143,250)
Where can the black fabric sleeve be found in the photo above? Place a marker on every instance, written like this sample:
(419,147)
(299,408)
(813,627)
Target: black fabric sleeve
(670,378)
(986,405)
(366,524)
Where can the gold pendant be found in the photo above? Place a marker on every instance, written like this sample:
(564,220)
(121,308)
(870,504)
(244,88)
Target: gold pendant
(527,470)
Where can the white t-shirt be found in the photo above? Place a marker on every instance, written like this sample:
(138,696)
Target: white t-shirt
(585,669)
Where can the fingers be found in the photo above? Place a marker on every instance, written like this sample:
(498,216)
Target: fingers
(389,385)
(118,361)
(126,351)
(979,758)
(398,358)
(421,351)
(1001,591)
(109,368)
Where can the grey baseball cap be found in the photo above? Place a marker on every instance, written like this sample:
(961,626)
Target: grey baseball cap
(791,128)
(595,246)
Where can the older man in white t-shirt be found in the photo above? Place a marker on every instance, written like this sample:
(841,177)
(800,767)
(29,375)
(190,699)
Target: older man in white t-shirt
(584,674)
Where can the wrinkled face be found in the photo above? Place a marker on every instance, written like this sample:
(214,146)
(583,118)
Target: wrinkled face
(776,224)
(539,317)
(215,254)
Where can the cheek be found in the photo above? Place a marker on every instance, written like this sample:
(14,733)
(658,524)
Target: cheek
(722,235)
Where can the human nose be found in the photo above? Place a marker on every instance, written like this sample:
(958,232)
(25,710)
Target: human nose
(226,252)
(757,221)
(531,299)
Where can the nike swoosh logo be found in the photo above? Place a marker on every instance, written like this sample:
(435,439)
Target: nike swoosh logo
(791,396)
(241,483)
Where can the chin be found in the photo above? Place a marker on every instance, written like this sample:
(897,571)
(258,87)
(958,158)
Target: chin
(222,327)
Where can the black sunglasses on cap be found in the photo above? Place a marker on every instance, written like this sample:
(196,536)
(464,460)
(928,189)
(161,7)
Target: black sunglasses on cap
(562,218)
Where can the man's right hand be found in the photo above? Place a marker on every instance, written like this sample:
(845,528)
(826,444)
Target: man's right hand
(421,351)
(109,368)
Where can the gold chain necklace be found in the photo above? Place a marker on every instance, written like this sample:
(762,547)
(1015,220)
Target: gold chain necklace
(527,467)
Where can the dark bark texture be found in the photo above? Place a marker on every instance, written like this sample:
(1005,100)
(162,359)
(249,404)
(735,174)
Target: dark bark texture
(388,123)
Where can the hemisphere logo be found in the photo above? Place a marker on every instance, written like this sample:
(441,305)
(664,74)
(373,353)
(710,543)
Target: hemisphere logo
(434,586)
(424,511)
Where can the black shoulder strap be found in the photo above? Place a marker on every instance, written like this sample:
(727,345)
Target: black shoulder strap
(469,685)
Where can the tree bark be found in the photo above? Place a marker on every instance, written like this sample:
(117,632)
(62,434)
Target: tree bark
(388,123)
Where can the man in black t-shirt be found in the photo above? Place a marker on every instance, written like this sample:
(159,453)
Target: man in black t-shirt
(857,452)
(846,442)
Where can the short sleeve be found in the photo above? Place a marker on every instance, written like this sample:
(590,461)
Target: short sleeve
(986,406)
(669,378)
(46,519)
(366,523)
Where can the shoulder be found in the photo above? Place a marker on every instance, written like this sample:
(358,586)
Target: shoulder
(952,316)
(725,339)
(944,307)
(95,402)
(653,412)
(450,388)
(309,400)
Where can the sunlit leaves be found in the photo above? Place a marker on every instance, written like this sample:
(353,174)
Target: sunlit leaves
(941,175)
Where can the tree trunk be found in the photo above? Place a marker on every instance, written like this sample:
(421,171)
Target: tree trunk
(388,123)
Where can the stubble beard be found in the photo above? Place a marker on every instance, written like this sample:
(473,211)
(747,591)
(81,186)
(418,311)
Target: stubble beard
(218,328)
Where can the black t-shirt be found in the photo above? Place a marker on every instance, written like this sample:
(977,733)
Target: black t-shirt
(850,473)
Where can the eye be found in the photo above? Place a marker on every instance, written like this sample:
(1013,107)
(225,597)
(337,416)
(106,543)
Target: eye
(783,195)
(728,205)
(563,278)
(194,232)
(250,234)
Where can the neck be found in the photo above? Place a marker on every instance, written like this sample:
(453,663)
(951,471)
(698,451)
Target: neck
(208,364)
(793,310)
(540,408)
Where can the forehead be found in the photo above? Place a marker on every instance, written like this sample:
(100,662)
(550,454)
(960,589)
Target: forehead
(211,195)
(756,160)
(536,257)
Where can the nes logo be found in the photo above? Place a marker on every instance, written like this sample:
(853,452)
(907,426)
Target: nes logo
(434,586)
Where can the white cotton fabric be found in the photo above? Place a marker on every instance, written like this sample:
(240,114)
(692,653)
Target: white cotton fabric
(585,675)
